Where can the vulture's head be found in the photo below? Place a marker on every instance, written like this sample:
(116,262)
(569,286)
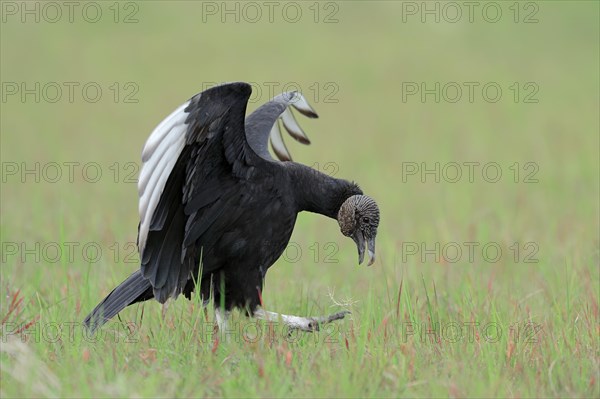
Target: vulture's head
(358,218)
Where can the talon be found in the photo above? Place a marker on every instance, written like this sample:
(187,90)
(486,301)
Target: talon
(339,315)
(334,317)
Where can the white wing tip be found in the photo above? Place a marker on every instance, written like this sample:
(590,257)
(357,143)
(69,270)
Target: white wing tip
(278,144)
(299,102)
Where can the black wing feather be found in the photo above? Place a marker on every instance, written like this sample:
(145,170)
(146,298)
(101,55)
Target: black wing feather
(214,139)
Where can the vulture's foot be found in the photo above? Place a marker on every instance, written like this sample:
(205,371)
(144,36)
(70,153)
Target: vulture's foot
(317,321)
(308,324)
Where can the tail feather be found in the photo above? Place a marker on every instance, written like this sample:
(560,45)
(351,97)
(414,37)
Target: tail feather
(134,289)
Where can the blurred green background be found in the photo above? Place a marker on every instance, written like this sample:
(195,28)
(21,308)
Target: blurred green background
(354,61)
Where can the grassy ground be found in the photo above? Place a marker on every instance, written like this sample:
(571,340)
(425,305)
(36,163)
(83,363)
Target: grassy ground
(441,313)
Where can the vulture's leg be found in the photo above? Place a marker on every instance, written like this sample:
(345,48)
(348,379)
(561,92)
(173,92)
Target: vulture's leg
(222,319)
(297,322)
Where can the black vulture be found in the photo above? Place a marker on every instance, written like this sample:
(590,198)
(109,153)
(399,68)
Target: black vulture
(216,210)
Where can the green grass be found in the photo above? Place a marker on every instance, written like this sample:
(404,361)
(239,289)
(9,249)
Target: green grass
(526,329)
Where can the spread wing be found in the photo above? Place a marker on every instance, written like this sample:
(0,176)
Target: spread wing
(191,163)
(262,125)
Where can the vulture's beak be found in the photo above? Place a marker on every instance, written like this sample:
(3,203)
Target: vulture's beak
(361,243)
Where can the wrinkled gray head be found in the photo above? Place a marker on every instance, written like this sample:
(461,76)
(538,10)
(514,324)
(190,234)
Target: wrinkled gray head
(358,218)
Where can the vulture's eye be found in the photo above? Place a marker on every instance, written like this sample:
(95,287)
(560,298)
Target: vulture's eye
(365,220)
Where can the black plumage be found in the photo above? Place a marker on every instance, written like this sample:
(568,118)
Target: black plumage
(216,210)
